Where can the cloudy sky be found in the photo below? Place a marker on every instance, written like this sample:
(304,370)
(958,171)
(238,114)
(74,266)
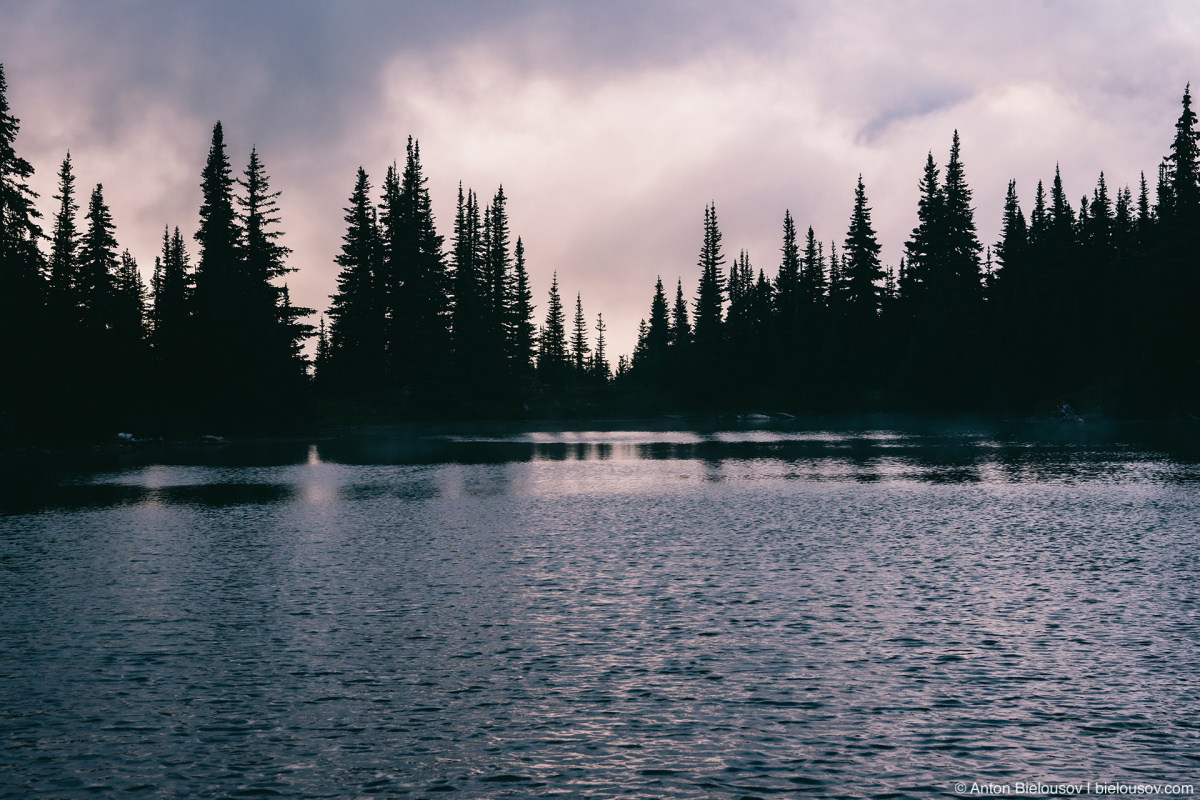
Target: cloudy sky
(610,124)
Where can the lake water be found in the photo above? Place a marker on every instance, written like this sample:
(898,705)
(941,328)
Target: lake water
(713,613)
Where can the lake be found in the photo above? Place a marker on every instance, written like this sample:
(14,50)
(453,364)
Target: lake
(729,611)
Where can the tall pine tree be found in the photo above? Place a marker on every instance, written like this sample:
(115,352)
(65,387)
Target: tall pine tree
(579,340)
(218,310)
(710,295)
(681,326)
(98,264)
(417,284)
(552,352)
(171,332)
(268,320)
(356,333)
(861,276)
(64,252)
(470,332)
(521,329)
(789,284)
(22,284)
(600,368)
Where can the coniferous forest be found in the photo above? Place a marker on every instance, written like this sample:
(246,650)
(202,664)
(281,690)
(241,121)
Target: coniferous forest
(1090,302)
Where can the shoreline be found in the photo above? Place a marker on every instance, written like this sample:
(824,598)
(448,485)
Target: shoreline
(929,424)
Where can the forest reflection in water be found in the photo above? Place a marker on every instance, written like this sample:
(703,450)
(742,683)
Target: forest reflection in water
(1041,453)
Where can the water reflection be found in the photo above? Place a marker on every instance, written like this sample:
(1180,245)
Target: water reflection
(222,494)
(655,613)
(274,472)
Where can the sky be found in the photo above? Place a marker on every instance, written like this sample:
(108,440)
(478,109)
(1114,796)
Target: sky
(610,125)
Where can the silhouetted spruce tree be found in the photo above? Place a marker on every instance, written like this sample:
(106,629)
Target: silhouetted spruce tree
(623,367)
(128,324)
(22,285)
(924,287)
(1124,223)
(600,367)
(321,359)
(741,293)
(172,294)
(393,277)
(64,257)
(681,327)
(761,305)
(1011,249)
(921,250)
(639,349)
(752,319)
(808,353)
(171,335)
(710,297)
(837,287)
(1039,217)
(417,282)
(498,260)
(102,365)
(264,258)
(1081,221)
(356,347)
(552,351)
(1162,194)
(1129,292)
(269,322)
(1043,303)
(1179,203)
(295,332)
(1012,298)
(657,335)
(759,322)
(889,293)
(579,341)
(521,329)
(862,275)
(959,331)
(738,328)
(789,291)
(679,339)
(1185,162)
(218,301)
(1145,216)
(813,283)
(434,283)
(470,293)
(97,271)
(1102,334)
(1061,219)
(963,248)
(1062,272)
(62,345)
(1177,267)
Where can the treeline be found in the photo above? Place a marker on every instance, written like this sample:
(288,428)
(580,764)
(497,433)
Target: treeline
(89,347)
(412,330)
(1093,305)
(1090,304)
(416,330)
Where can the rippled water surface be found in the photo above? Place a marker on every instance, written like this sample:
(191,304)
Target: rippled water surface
(608,613)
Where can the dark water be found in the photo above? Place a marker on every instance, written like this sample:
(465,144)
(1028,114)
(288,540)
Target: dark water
(647,614)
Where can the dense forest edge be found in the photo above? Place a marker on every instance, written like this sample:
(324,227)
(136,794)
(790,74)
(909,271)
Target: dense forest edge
(1087,308)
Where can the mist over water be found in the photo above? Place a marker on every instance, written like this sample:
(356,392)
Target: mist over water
(670,613)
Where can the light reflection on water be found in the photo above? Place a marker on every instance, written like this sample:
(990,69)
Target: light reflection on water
(598,613)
